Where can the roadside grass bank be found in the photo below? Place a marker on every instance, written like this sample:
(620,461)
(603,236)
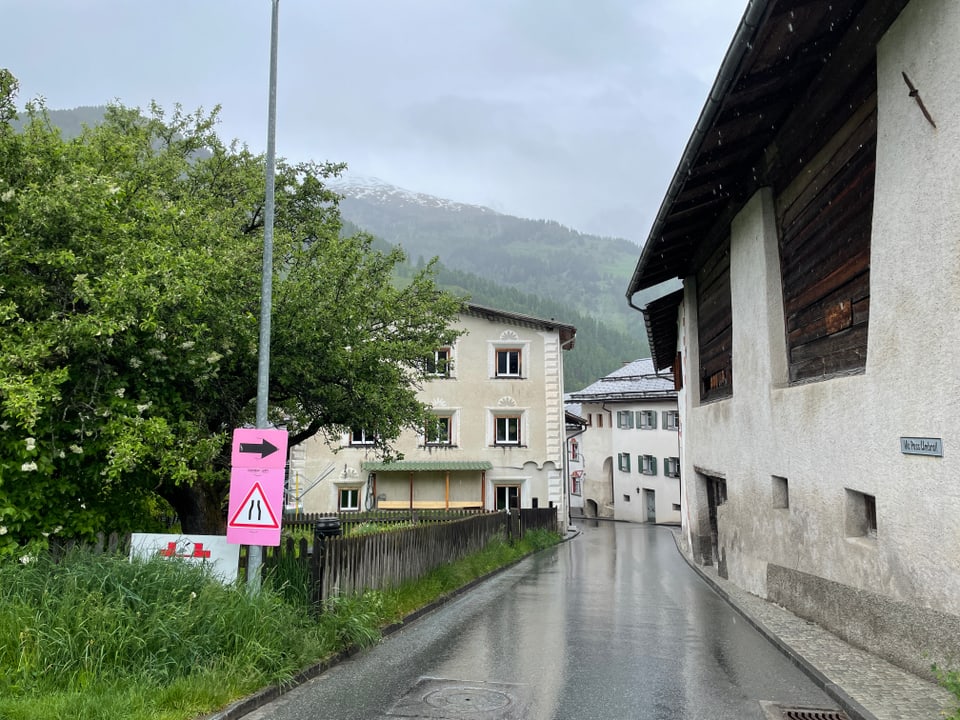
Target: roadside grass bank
(97,637)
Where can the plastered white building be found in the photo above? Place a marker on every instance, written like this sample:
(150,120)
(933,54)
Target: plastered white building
(815,223)
(630,449)
(499,442)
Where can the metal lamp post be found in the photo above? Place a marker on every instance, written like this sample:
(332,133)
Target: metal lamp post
(255,556)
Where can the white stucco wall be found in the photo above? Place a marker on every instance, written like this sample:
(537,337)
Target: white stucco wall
(473,395)
(843,433)
(632,484)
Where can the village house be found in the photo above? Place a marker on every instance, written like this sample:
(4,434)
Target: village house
(813,222)
(630,449)
(498,441)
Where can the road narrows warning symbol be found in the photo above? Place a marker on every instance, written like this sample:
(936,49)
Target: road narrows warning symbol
(254,511)
(257,474)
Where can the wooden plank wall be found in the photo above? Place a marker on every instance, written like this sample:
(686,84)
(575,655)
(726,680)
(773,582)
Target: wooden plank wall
(715,325)
(825,217)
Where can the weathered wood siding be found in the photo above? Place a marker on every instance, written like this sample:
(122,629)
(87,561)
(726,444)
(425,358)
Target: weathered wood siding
(715,325)
(824,218)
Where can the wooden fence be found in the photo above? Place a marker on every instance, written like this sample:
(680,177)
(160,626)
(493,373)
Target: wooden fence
(349,565)
(303,521)
(375,561)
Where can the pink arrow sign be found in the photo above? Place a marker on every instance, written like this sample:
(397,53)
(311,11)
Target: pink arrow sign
(256,448)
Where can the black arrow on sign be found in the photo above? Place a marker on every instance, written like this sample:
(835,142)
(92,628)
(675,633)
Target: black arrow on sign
(264,447)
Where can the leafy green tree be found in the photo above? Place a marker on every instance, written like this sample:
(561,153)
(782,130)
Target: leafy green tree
(130,260)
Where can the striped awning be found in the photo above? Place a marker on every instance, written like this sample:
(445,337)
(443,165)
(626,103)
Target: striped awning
(427,465)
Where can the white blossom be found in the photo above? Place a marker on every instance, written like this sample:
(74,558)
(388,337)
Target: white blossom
(187,345)
(141,408)
(76,449)
(3,529)
(26,559)
(5,426)
(28,467)
(31,443)
(135,362)
(119,392)
(214,357)
(8,195)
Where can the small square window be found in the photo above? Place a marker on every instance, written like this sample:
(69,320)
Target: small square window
(439,364)
(349,499)
(671,467)
(648,464)
(860,515)
(626,498)
(439,433)
(508,363)
(781,491)
(671,420)
(676,508)
(507,430)
(359,436)
(647,419)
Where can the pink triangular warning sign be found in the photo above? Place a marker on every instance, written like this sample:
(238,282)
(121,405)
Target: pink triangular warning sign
(255,511)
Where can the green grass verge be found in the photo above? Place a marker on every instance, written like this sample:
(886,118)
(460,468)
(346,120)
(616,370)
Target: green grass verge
(98,637)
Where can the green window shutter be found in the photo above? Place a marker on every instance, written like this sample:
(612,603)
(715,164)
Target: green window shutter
(653,419)
(653,466)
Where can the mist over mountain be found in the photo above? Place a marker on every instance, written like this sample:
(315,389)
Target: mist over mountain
(537,267)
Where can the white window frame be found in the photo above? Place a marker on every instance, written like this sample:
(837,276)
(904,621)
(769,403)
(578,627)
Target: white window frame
(625,419)
(623,462)
(516,419)
(508,352)
(648,464)
(646,419)
(348,489)
(439,367)
(671,420)
(495,347)
(449,442)
(365,439)
(671,467)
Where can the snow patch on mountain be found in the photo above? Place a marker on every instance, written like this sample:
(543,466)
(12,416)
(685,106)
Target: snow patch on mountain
(374,189)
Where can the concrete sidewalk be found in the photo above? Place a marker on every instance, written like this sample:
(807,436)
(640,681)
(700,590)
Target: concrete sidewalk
(865,686)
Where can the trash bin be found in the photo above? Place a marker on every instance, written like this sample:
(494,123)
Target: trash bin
(326,527)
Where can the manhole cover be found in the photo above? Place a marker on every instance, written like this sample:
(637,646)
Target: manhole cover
(441,699)
(470,699)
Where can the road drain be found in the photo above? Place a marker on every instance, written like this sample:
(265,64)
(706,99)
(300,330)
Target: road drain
(441,699)
(777,712)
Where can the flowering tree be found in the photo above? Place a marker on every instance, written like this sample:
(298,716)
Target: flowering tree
(130,263)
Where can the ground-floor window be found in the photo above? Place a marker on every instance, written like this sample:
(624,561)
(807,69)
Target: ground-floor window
(349,499)
(506,497)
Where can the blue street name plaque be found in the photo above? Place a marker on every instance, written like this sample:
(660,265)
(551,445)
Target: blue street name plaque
(921,446)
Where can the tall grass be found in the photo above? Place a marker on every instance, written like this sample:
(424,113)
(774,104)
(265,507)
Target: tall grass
(98,637)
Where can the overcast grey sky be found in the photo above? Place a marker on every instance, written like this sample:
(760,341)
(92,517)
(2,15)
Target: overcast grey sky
(568,110)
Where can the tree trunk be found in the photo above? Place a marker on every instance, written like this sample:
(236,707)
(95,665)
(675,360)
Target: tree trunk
(200,507)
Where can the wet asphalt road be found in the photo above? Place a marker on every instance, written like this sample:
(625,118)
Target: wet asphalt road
(610,625)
